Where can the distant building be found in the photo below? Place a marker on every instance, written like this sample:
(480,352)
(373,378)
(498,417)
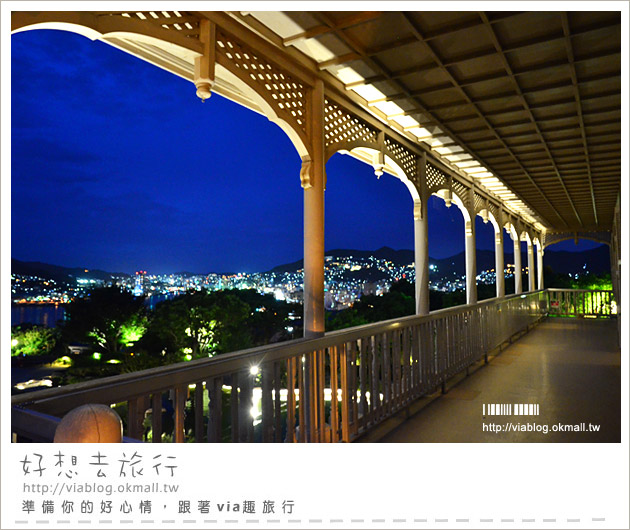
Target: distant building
(138,289)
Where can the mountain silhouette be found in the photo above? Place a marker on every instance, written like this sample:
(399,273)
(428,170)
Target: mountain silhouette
(596,260)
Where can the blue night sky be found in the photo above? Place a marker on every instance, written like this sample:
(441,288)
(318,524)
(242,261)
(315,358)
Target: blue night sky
(117,165)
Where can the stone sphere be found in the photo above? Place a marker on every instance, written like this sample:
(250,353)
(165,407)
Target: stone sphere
(90,424)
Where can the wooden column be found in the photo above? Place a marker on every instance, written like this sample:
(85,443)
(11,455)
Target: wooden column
(518,276)
(421,242)
(499,265)
(539,254)
(531,278)
(471,263)
(313,181)
(421,250)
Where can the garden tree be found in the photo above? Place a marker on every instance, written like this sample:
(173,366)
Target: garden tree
(203,324)
(107,318)
(268,316)
(27,339)
(391,305)
(371,308)
(347,318)
(199,324)
(593,282)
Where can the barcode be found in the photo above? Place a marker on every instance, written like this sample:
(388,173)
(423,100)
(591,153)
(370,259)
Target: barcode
(509,409)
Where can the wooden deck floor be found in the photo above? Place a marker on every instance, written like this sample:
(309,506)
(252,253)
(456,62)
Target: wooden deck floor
(570,367)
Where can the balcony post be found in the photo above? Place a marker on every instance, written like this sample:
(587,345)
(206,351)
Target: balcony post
(421,242)
(313,182)
(530,266)
(518,276)
(421,249)
(499,263)
(471,263)
(539,254)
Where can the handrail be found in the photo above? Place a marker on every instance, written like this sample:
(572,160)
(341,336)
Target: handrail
(561,290)
(165,377)
(329,388)
(582,303)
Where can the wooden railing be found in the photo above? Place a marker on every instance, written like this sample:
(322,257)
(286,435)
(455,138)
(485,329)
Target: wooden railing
(581,303)
(327,389)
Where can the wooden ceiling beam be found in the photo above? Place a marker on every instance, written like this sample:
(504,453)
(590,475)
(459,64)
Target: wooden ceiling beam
(576,93)
(348,21)
(445,70)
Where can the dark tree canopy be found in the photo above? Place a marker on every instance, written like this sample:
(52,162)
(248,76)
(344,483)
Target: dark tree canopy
(108,319)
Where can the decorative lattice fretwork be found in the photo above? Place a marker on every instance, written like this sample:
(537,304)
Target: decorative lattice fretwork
(494,211)
(183,23)
(436,179)
(479,202)
(342,128)
(401,155)
(288,94)
(461,191)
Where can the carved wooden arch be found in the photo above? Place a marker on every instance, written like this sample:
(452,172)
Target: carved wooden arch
(456,200)
(106,26)
(551,238)
(492,219)
(283,98)
(344,131)
(349,146)
(509,224)
(287,96)
(395,168)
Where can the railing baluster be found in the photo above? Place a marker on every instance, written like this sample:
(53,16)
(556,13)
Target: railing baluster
(277,402)
(215,412)
(386,381)
(396,370)
(199,412)
(303,401)
(267,403)
(135,415)
(406,360)
(156,417)
(363,364)
(416,375)
(234,408)
(374,392)
(354,410)
(322,430)
(246,428)
(345,403)
(334,397)
(291,369)
(307,394)
(179,405)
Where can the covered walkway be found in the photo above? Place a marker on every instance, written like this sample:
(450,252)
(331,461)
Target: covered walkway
(570,367)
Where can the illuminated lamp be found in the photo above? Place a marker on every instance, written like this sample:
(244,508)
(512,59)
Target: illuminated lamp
(90,424)
(484,216)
